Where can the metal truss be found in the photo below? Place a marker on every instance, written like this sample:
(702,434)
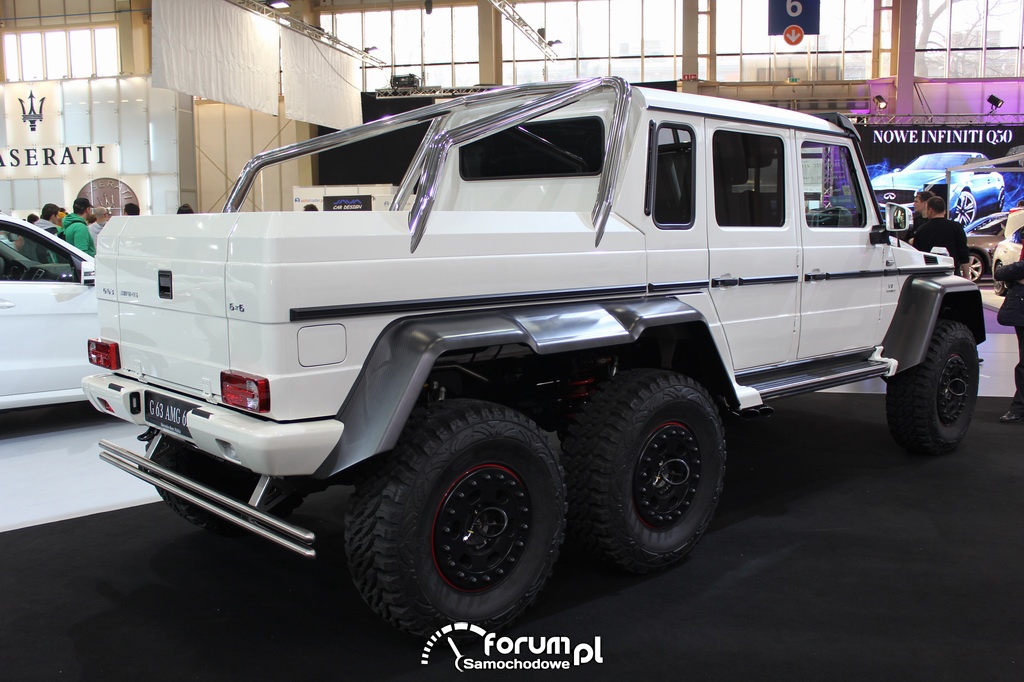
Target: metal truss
(508,10)
(428,91)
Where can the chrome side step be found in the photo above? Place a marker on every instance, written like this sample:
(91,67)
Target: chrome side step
(266,526)
(813,377)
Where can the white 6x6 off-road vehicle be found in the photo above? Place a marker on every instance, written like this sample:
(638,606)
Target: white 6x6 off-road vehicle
(614,266)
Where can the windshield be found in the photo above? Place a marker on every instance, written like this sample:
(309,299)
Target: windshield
(939,161)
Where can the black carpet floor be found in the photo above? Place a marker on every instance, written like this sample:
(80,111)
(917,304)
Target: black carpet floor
(834,556)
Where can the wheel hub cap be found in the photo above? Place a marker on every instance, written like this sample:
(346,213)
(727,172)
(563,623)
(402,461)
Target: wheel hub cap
(481,528)
(953,389)
(666,475)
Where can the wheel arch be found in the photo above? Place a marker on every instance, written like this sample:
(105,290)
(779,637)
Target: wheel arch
(923,302)
(404,355)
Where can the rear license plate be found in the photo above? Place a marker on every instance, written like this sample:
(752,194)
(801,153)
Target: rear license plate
(168,413)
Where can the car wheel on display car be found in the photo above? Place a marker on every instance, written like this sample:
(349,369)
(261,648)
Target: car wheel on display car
(461,521)
(965,208)
(977,266)
(998,288)
(645,466)
(929,406)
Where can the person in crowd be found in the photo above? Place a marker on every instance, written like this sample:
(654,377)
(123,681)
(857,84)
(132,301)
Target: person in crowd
(32,218)
(131,208)
(941,232)
(46,217)
(310,207)
(1011,314)
(76,230)
(185,208)
(102,215)
(920,208)
(61,215)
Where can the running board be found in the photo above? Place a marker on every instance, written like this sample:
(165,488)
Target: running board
(248,517)
(780,382)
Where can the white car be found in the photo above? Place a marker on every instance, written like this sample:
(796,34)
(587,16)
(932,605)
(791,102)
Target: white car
(47,315)
(1008,250)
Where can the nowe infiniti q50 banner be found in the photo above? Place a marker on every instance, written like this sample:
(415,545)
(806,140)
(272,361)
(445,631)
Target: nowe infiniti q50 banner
(903,160)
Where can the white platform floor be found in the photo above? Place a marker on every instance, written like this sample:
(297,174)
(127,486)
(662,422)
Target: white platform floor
(50,468)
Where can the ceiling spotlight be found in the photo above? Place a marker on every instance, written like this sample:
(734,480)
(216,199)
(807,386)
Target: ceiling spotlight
(995,102)
(370,49)
(428,5)
(279,4)
(880,102)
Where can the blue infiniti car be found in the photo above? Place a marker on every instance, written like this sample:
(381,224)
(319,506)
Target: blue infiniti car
(973,193)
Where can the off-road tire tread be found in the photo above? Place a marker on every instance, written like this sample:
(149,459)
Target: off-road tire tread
(378,555)
(590,459)
(910,395)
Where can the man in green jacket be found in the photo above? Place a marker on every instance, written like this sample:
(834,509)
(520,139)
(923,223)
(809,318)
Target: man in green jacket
(76,230)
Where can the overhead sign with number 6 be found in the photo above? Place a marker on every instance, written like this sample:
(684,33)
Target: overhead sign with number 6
(782,14)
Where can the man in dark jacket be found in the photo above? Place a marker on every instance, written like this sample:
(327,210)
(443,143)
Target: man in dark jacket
(1011,314)
(942,232)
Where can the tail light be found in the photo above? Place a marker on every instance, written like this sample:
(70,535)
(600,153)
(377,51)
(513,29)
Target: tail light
(246,391)
(104,354)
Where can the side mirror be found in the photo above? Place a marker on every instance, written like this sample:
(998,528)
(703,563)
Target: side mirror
(898,218)
(88,275)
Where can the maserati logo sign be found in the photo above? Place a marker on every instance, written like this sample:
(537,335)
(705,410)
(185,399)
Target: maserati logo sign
(889,196)
(31,116)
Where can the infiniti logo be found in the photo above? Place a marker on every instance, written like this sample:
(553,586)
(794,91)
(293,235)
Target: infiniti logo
(889,196)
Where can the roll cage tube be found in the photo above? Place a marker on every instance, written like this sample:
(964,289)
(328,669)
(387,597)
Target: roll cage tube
(432,153)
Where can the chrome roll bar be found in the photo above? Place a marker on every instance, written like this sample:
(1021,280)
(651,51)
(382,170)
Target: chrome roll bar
(428,162)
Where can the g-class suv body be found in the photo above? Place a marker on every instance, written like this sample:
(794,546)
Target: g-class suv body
(610,266)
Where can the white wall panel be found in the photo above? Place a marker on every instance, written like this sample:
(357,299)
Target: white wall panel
(104,109)
(6,198)
(51,190)
(77,112)
(163,131)
(191,36)
(134,119)
(26,193)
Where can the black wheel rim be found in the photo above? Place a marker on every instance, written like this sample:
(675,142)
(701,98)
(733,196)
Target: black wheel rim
(481,528)
(666,475)
(953,389)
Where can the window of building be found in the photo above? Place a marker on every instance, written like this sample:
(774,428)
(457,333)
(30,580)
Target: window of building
(566,147)
(969,38)
(672,168)
(748,172)
(832,197)
(61,54)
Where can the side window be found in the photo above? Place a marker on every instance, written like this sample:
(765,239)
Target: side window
(26,256)
(673,177)
(537,149)
(749,187)
(831,194)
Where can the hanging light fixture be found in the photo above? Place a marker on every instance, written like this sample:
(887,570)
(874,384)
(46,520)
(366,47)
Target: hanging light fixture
(880,102)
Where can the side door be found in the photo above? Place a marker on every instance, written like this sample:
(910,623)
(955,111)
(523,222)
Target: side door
(47,316)
(753,241)
(844,274)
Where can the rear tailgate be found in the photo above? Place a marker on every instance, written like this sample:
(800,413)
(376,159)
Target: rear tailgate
(161,284)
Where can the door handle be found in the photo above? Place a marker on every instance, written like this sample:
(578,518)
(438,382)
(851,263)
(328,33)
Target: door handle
(4,305)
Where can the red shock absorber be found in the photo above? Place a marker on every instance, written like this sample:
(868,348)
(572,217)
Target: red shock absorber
(577,392)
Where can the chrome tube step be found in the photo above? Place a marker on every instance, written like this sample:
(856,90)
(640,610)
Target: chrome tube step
(248,517)
(809,377)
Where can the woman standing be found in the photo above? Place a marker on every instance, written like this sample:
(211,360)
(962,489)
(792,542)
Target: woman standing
(1011,314)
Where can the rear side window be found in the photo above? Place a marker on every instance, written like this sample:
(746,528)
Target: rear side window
(748,179)
(831,194)
(538,149)
(673,177)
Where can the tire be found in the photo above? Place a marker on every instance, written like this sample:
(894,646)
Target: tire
(490,468)
(929,407)
(966,208)
(977,266)
(645,465)
(236,483)
(999,288)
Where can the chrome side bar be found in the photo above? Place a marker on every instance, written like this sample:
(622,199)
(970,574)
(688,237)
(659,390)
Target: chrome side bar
(342,137)
(441,143)
(248,517)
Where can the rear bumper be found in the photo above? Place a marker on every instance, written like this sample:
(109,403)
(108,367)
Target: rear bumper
(264,447)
